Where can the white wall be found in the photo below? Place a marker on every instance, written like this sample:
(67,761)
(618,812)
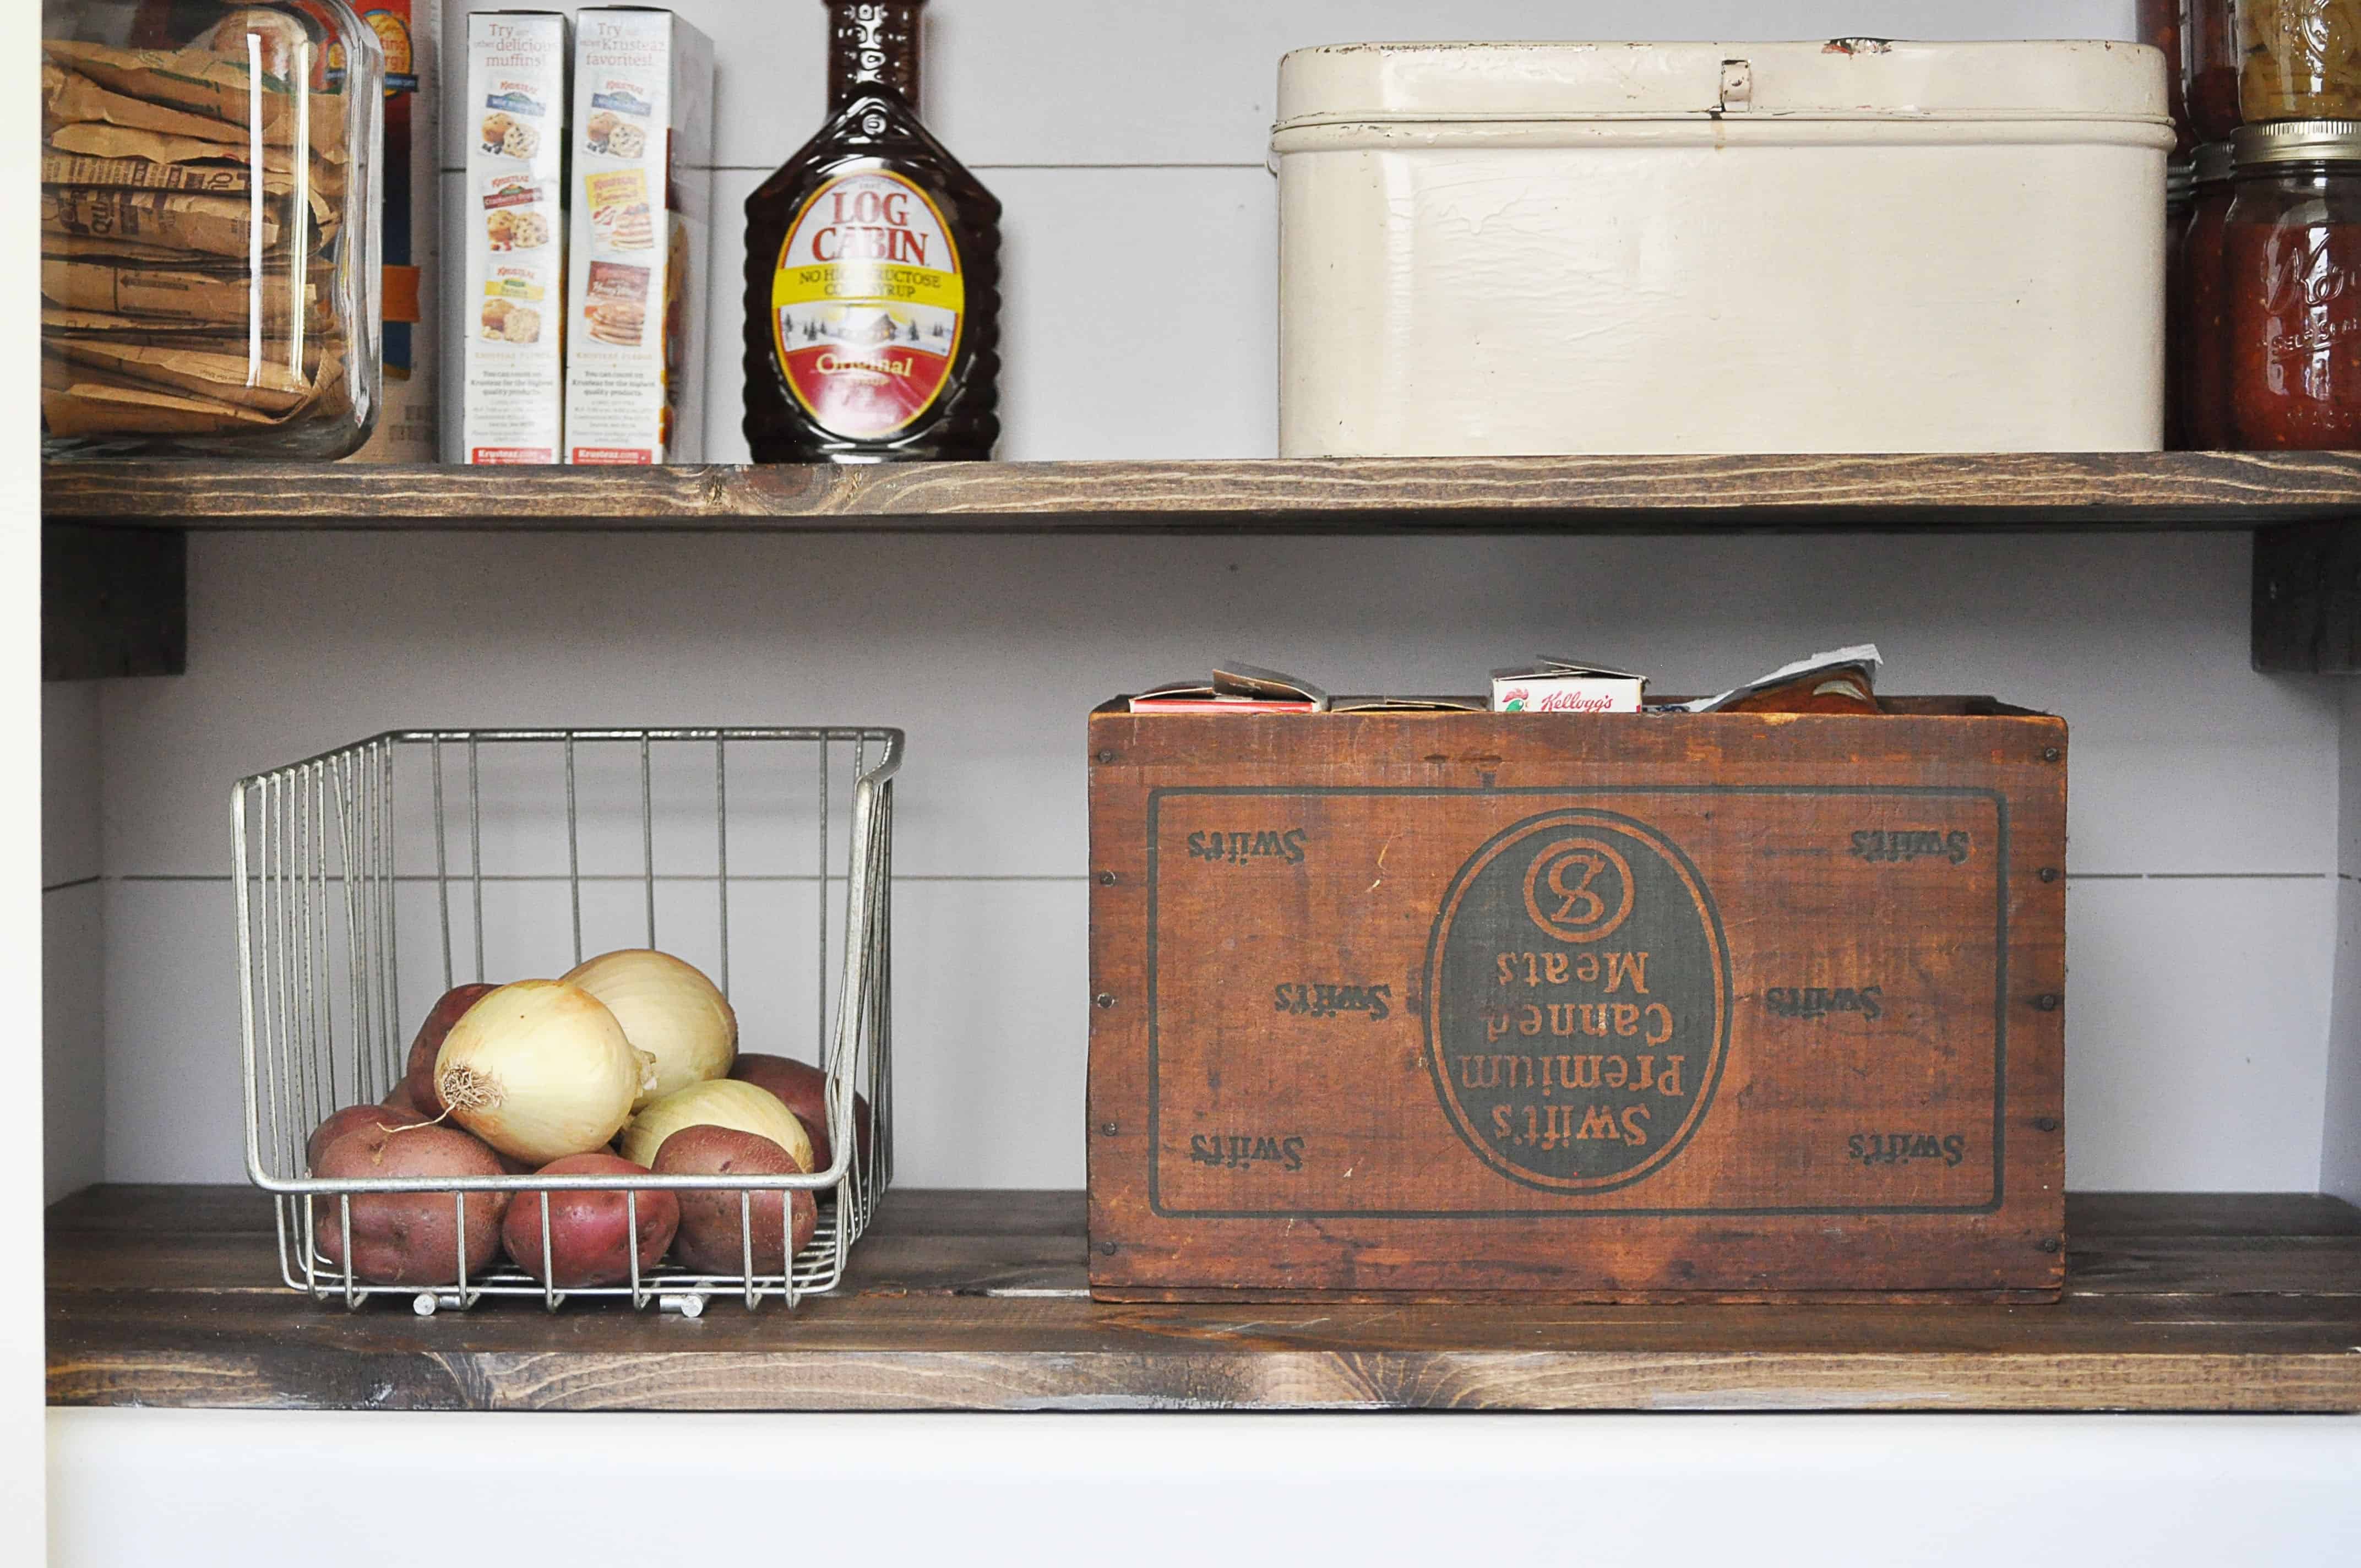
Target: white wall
(74,942)
(1140,226)
(2340,1163)
(2203,804)
(2202,871)
(189,1486)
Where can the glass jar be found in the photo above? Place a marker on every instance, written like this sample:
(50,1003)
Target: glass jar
(2212,40)
(2199,329)
(2179,201)
(2299,60)
(2291,254)
(209,228)
(2163,24)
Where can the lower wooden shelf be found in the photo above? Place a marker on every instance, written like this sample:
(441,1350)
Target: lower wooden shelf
(167,1296)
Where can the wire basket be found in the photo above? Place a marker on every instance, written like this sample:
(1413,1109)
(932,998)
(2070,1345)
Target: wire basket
(376,877)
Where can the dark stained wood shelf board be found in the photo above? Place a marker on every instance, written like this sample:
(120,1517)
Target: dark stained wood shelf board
(1647,495)
(974,1301)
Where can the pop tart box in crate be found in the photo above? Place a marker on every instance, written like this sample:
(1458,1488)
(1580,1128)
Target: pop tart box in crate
(377,877)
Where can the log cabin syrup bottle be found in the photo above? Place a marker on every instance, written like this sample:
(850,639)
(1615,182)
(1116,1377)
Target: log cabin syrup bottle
(872,273)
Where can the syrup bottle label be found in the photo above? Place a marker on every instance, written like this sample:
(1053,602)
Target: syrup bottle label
(867,304)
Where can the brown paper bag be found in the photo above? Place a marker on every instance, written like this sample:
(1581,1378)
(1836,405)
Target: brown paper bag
(69,99)
(83,247)
(176,292)
(91,407)
(97,138)
(61,328)
(224,377)
(197,80)
(215,225)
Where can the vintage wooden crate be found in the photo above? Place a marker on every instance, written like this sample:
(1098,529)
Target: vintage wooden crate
(1603,1008)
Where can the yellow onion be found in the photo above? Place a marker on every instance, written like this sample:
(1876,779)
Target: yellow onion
(718,1102)
(540,1070)
(668,1009)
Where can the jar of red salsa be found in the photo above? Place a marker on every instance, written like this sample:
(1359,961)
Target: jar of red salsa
(2179,201)
(2199,329)
(2292,249)
(2161,24)
(2215,63)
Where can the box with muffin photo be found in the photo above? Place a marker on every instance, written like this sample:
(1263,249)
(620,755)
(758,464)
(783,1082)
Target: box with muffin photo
(512,383)
(639,217)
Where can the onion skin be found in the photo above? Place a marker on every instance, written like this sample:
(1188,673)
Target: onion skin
(719,1102)
(409,1238)
(355,1119)
(540,1070)
(711,1239)
(587,1229)
(418,1079)
(802,1089)
(667,1008)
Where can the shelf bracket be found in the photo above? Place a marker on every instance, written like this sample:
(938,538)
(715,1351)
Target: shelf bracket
(2307,598)
(114,601)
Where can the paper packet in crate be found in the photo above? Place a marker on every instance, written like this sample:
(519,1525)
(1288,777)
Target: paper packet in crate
(1566,686)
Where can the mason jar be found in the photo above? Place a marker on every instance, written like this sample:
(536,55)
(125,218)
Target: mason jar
(2291,251)
(209,228)
(2197,330)
(2299,60)
(2213,47)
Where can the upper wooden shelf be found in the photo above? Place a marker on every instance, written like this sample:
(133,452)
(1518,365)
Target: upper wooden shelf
(1603,495)
(162,1297)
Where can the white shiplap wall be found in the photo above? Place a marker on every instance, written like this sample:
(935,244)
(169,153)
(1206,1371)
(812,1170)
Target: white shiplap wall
(2340,1159)
(74,942)
(1127,143)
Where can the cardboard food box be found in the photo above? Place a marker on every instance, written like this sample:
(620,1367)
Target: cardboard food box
(1566,686)
(1628,1006)
(512,399)
(411,32)
(642,225)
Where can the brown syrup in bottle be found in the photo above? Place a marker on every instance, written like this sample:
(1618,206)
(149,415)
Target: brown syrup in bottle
(872,273)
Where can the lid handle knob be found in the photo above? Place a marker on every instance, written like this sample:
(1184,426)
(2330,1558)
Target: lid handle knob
(1737,86)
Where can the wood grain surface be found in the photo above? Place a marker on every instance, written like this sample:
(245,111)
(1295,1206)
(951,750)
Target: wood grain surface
(1793,1029)
(2307,599)
(114,601)
(1650,495)
(167,1296)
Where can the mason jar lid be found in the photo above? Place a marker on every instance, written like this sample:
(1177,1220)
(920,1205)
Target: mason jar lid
(2179,184)
(2297,141)
(2215,162)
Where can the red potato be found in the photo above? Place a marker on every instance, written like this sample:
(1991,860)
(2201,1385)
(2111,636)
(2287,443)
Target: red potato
(711,1238)
(353,1119)
(397,1098)
(802,1089)
(452,1006)
(588,1231)
(409,1238)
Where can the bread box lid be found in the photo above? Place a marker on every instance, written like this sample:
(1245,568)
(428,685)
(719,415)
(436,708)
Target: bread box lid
(1847,79)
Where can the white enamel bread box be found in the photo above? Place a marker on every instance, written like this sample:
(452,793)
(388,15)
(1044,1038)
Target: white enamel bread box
(1856,246)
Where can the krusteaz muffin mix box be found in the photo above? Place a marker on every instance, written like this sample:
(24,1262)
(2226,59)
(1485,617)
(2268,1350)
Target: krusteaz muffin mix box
(513,390)
(641,197)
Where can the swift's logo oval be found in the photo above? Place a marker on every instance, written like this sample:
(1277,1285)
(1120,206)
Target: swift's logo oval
(1569,1061)
(1578,890)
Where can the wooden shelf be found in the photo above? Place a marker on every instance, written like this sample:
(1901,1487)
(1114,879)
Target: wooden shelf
(161,1297)
(1605,494)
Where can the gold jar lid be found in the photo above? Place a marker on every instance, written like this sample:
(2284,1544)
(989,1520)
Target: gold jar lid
(2297,141)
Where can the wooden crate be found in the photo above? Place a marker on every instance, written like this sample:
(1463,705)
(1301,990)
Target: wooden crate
(1607,1007)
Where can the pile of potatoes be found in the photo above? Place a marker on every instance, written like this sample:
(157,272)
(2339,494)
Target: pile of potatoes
(697,1105)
